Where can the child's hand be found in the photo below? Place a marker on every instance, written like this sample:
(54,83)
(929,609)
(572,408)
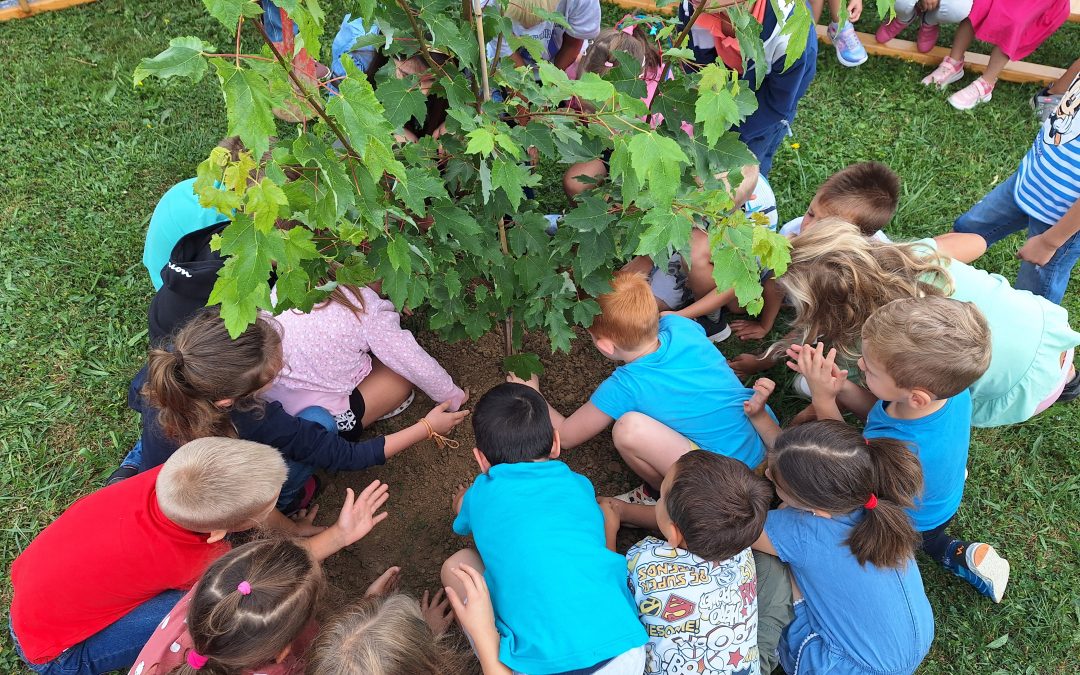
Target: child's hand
(793,353)
(305,522)
(459,495)
(477,617)
(745,365)
(387,583)
(437,612)
(821,372)
(533,382)
(854,9)
(442,421)
(1037,250)
(358,516)
(748,330)
(755,405)
(459,400)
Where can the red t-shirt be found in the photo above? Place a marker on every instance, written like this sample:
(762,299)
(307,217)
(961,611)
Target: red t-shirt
(108,553)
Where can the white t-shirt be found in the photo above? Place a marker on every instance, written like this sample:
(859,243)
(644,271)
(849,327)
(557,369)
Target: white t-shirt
(793,228)
(701,617)
(583,16)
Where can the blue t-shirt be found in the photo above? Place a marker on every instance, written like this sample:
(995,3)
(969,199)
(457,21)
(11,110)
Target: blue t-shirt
(560,596)
(178,213)
(687,385)
(872,618)
(941,442)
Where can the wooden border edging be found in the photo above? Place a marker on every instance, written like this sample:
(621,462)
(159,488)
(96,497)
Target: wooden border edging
(26,8)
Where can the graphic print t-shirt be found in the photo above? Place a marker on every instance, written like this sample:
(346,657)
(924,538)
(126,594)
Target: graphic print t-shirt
(701,617)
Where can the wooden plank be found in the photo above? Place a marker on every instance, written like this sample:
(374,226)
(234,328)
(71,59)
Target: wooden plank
(1074,15)
(1016,71)
(32,7)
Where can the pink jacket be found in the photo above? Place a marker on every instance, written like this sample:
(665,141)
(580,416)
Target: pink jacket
(328,352)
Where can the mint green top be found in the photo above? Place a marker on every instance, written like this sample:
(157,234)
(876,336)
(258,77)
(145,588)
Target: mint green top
(1028,335)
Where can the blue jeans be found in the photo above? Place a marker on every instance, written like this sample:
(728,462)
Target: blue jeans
(134,456)
(997,215)
(114,647)
(299,473)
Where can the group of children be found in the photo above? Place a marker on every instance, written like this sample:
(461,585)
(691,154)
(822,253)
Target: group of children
(791,547)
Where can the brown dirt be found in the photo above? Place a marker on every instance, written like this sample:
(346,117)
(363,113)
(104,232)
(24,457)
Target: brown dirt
(417,535)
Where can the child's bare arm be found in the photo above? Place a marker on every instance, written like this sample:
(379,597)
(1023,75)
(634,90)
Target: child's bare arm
(962,246)
(709,303)
(754,407)
(757,329)
(585,423)
(824,377)
(616,512)
(856,399)
(764,545)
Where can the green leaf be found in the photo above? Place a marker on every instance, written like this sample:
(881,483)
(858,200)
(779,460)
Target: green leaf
(228,12)
(666,231)
(402,100)
(999,642)
(591,87)
(247,106)
(183,58)
(380,159)
(591,214)
(716,109)
(748,32)
(420,186)
(626,76)
(208,176)
(264,201)
(585,311)
(554,17)
(657,160)
(594,250)
(797,26)
(511,177)
(358,110)
(481,142)
(241,288)
(735,267)
(730,153)
(397,252)
(523,365)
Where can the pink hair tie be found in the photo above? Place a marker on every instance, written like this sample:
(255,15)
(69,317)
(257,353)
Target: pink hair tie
(244,588)
(195,659)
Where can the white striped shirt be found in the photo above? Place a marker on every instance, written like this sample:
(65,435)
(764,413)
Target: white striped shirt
(1048,181)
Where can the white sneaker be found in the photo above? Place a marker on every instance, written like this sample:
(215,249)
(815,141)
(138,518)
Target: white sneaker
(802,387)
(637,496)
(991,574)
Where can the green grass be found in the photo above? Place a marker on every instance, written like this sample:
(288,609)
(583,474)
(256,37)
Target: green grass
(86,157)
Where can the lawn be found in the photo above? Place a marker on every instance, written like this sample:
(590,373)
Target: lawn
(86,157)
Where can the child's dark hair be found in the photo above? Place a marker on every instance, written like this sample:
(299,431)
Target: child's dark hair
(828,465)
(251,604)
(718,504)
(383,635)
(206,365)
(511,424)
(865,194)
(600,56)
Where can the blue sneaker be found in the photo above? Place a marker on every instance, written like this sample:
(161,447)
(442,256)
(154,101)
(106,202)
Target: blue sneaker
(849,51)
(990,575)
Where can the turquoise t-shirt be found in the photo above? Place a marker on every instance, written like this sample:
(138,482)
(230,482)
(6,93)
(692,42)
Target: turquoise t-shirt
(178,213)
(687,385)
(560,596)
(1028,334)
(940,441)
(871,619)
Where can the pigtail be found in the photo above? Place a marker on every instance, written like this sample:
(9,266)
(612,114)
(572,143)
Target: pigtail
(885,535)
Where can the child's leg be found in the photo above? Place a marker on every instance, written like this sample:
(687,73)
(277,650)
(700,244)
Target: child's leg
(116,646)
(466,556)
(965,35)
(594,168)
(905,10)
(383,391)
(699,276)
(948,11)
(774,599)
(977,563)
(648,447)
(995,216)
(300,486)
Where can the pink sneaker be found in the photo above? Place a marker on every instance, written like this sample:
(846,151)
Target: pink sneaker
(926,37)
(888,31)
(945,74)
(972,95)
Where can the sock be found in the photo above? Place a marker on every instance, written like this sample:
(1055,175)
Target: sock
(956,554)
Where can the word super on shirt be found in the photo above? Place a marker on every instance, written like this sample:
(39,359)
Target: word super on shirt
(701,616)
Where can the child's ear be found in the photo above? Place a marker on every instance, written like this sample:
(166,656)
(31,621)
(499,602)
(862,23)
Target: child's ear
(216,536)
(605,346)
(224,403)
(676,540)
(920,398)
(556,447)
(481,460)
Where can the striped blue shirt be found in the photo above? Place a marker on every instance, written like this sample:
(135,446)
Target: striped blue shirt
(1048,181)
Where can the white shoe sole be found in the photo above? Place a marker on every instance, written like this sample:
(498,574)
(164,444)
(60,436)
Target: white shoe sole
(981,99)
(949,80)
(722,335)
(851,64)
(995,568)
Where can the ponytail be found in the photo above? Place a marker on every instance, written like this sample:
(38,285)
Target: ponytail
(205,365)
(827,465)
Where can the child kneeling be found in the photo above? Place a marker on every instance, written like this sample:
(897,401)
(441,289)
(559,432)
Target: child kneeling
(539,538)
(703,596)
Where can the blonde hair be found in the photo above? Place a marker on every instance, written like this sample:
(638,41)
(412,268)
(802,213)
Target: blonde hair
(937,344)
(382,635)
(219,483)
(237,631)
(523,12)
(600,56)
(838,278)
(205,365)
(628,314)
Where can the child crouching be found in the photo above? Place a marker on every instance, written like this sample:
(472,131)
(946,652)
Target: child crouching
(703,596)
